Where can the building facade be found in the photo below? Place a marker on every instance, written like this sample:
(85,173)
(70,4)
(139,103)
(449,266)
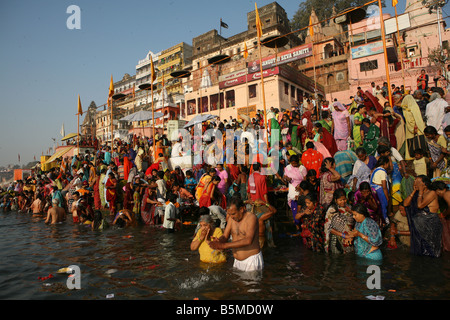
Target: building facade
(235,87)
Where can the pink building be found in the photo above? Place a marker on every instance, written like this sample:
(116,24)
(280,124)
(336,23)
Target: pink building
(419,33)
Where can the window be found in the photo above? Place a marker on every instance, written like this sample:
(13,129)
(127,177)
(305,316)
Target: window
(252,91)
(368,65)
(292,92)
(286,88)
(229,96)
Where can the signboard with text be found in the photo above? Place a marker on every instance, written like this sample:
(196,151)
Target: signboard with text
(287,56)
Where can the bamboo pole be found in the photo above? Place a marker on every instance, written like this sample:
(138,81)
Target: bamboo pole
(386,64)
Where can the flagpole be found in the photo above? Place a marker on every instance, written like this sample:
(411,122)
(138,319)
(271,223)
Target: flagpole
(386,64)
(401,55)
(258,35)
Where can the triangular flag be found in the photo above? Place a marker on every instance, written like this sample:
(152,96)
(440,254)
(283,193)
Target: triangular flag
(311,30)
(80,110)
(111,88)
(394,3)
(245,51)
(258,23)
(153,70)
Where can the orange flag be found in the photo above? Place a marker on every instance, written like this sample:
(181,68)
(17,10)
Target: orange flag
(394,3)
(80,110)
(311,30)
(245,51)
(111,87)
(258,23)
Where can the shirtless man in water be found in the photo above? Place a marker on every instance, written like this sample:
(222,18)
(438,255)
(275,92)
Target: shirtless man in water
(55,213)
(244,228)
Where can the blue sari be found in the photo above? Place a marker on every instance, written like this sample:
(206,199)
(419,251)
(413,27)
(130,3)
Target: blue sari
(381,196)
(362,248)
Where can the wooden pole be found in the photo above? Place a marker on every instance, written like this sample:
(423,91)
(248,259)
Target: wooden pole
(78,133)
(153,126)
(386,64)
(400,51)
(112,125)
(262,91)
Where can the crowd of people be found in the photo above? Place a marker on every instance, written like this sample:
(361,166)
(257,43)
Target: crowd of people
(354,177)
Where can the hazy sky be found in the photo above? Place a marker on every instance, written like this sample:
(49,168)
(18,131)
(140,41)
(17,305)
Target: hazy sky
(44,66)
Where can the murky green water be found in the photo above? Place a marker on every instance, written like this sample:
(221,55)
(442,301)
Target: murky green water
(146,263)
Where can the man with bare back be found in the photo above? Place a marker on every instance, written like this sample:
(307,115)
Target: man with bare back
(243,227)
(55,213)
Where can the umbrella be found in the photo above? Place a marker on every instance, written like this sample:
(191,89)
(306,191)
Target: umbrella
(69,136)
(199,119)
(141,115)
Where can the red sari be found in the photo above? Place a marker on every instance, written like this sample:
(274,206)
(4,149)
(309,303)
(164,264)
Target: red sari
(111,194)
(97,199)
(329,142)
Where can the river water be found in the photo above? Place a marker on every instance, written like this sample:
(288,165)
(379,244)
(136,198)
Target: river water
(146,263)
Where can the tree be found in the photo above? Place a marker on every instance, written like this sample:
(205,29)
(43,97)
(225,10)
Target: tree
(323,10)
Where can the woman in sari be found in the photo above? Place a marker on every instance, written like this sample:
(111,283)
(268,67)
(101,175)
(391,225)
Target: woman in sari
(371,133)
(443,194)
(305,131)
(149,205)
(366,196)
(296,123)
(425,227)
(326,121)
(284,127)
(397,166)
(208,196)
(330,180)
(357,122)
(203,181)
(414,127)
(437,145)
(366,234)
(338,223)
(326,138)
(379,181)
(362,169)
(341,125)
(294,174)
(101,188)
(111,193)
(312,223)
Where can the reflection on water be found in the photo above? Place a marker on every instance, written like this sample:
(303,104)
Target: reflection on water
(147,263)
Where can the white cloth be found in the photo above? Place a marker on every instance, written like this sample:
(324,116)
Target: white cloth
(176,150)
(252,263)
(169,213)
(435,112)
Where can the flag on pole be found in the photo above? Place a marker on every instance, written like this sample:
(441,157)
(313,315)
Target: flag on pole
(63,132)
(223,24)
(153,70)
(245,51)
(394,3)
(18,156)
(258,23)
(80,110)
(311,30)
(111,88)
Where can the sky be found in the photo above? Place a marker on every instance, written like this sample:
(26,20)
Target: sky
(44,65)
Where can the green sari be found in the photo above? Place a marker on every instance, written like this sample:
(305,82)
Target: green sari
(371,140)
(357,131)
